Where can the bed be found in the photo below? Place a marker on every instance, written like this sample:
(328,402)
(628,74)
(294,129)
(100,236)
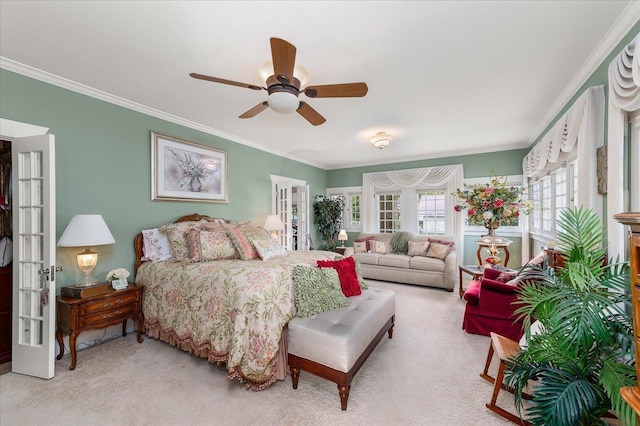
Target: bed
(229,311)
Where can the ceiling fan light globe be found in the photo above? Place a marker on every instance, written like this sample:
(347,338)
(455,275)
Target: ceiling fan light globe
(283,102)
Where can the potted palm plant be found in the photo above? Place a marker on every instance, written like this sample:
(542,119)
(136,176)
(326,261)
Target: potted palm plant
(584,353)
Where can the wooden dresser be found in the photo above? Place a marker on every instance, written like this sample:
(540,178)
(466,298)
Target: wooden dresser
(631,394)
(76,315)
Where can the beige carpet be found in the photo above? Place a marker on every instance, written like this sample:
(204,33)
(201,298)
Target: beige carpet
(428,374)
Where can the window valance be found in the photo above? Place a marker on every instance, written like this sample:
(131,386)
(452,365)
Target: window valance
(624,77)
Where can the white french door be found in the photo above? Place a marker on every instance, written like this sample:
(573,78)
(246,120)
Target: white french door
(34,256)
(291,203)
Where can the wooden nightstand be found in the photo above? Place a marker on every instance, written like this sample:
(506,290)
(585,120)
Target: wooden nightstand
(76,315)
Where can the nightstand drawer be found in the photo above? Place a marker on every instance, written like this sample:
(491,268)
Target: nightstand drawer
(112,315)
(110,303)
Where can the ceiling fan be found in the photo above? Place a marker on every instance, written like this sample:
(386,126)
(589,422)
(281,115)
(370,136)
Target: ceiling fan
(284,88)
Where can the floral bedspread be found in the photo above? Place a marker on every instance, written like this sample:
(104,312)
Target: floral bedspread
(234,310)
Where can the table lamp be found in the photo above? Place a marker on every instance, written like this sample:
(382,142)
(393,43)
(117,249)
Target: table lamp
(86,230)
(342,236)
(274,224)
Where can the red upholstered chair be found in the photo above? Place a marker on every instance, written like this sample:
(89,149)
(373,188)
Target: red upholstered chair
(490,307)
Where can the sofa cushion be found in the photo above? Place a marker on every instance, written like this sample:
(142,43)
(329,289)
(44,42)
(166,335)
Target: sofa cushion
(426,264)
(418,248)
(395,260)
(367,258)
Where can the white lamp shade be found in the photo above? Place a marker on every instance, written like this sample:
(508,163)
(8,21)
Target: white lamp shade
(342,236)
(86,230)
(273,223)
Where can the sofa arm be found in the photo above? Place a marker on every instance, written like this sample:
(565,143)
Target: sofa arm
(451,275)
(348,252)
(488,285)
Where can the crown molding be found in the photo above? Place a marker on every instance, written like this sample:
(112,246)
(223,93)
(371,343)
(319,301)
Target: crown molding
(625,22)
(46,77)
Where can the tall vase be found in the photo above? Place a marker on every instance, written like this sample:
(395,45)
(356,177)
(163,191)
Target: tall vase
(195,184)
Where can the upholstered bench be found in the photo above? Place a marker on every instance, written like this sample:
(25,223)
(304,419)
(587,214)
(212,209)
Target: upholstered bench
(335,344)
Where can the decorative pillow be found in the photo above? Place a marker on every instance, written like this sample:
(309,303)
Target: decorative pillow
(213,226)
(206,246)
(443,242)
(399,242)
(155,245)
(242,236)
(268,249)
(360,247)
(505,277)
(218,220)
(382,247)
(418,248)
(538,259)
(363,284)
(370,241)
(438,251)
(317,290)
(346,273)
(177,235)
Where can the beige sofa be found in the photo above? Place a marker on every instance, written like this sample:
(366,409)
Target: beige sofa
(401,268)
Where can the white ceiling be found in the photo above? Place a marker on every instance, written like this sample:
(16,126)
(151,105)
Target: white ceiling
(445,77)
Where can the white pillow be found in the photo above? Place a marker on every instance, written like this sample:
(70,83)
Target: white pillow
(536,328)
(156,245)
(268,249)
(6,251)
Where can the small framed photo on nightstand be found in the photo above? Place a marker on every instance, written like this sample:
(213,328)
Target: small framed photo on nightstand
(120,284)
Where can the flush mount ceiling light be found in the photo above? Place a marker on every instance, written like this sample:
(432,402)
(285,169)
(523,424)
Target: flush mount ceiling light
(380,140)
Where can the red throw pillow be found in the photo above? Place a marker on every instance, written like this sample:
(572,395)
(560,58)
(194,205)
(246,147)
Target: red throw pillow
(346,273)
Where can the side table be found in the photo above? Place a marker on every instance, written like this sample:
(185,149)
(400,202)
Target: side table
(475,271)
(340,250)
(76,315)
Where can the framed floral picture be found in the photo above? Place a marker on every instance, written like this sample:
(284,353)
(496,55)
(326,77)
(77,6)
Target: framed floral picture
(185,171)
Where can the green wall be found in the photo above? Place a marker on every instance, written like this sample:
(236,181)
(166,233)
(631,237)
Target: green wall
(103,165)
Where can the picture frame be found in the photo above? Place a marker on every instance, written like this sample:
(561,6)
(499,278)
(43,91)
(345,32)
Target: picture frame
(186,171)
(119,284)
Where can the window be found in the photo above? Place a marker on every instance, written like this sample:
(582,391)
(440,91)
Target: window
(388,212)
(550,195)
(431,212)
(351,216)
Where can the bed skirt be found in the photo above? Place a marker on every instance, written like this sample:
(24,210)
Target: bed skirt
(279,367)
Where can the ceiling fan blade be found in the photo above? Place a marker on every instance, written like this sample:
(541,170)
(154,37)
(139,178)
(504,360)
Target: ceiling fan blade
(283,55)
(255,110)
(310,114)
(223,81)
(347,90)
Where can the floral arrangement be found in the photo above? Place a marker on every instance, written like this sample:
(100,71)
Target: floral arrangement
(117,274)
(190,168)
(493,203)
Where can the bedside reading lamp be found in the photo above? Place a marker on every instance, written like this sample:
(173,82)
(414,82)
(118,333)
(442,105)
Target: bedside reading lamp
(342,236)
(86,230)
(274,224)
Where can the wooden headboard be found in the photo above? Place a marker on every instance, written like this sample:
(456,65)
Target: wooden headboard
(138,242)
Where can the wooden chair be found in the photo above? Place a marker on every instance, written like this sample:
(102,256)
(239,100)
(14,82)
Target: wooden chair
(504,348)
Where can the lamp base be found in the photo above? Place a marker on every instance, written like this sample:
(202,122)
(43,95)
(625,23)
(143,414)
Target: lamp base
(88,281)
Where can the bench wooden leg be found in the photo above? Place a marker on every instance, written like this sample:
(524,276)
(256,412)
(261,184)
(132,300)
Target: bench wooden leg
(344,395)
(295,375)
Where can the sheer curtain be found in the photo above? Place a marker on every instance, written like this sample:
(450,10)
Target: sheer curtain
(576,134)
(624,101)
(406,181)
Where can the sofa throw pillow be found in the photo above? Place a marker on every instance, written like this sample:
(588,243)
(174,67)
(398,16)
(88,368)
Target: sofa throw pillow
(444,242)
(242,236)
(317,290)
(438,251)
(371,242)
(347,274)
(382,247)
(418,248)
(177,235)
(363,284)
(400,242)
(360,247)
(268,249)
(155,245)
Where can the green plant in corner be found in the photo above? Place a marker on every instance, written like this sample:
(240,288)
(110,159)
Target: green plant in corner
(328,218)
(584,353)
